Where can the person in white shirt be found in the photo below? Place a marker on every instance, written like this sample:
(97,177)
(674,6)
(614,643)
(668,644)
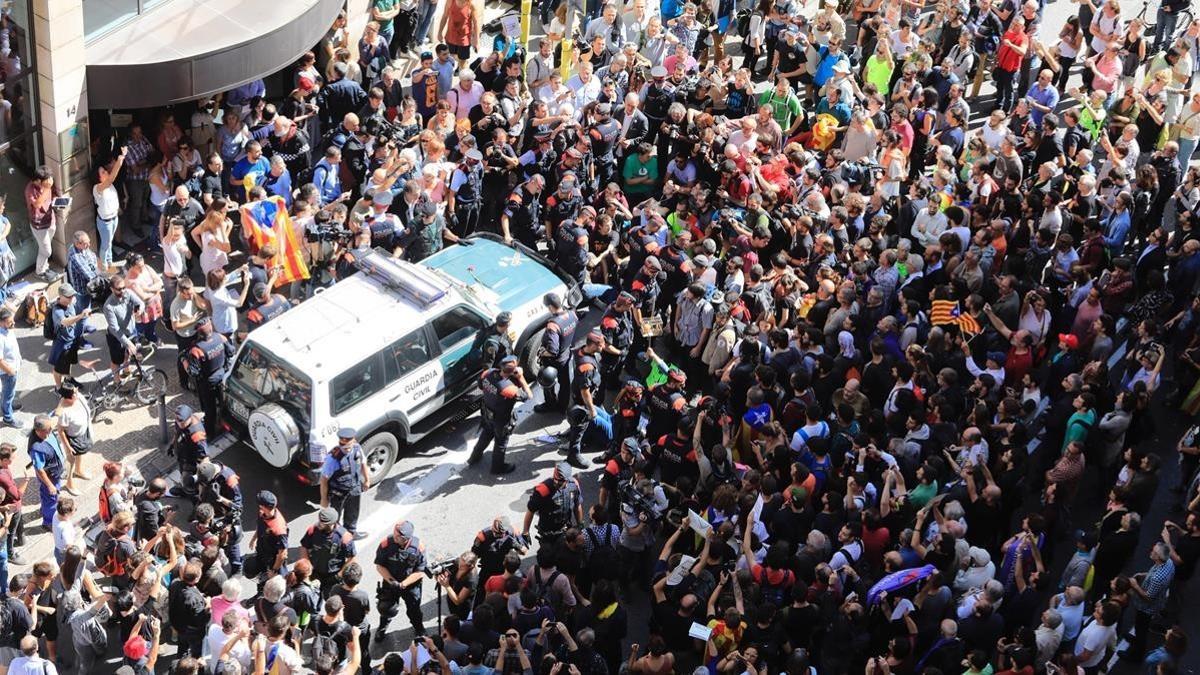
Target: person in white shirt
(929,224)
(584,85)
(1097,634)
(228,639)
(108,207)
(30,662)
(10,365)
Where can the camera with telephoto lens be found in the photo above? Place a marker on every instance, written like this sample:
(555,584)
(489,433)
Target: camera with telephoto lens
(447,566)
(330,232)
(639,499)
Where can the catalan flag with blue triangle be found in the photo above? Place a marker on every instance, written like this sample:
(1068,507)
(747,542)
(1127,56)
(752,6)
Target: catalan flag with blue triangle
(946,312)
(268,220)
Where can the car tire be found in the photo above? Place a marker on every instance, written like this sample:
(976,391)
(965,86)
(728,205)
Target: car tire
(380,452)
(529,355)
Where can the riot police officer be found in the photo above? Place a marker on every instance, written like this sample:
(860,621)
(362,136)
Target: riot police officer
(604,133)
(208,358)
(617,471)
(497,341)
(585,383)
(220,487)
(466,193)
(265,306)
(657,97)
(386,228)
(617,328)
(329,547)
(558,505)
(344,477)
(502,389)
(571,251)
(190,447)
(522,216)
(563,204)
(491,545)
(557,341)
(666,404)
(427,233)
(401,562)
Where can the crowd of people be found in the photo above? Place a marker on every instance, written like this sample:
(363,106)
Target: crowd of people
(885,379)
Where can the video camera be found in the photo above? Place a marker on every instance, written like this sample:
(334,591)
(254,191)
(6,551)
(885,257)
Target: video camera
(331,232)
(636,498)
(447,565)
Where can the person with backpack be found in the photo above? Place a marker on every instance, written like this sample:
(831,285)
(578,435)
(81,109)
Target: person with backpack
(551,587)
(772,575)
(600,558)
(332,635)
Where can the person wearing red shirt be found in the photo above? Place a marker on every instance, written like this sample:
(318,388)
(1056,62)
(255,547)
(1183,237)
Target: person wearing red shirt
(1012,50)
(13,490)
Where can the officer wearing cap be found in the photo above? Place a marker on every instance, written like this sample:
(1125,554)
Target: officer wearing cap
(627,410)
(221,487)
(400,560)
(585,384)
(571,251)
(344,477)
(557,341)
(558,505)
(386,228)
(466,193)
(265,306)
(564,204)
(657,95)
(502,389)
(329,547)
(618,470)
(604,133)
(207,360)
(427,232)
(496,341)
(67,325)
(666,403)
(270,540)
(190,447)
(522,215)
(617,328)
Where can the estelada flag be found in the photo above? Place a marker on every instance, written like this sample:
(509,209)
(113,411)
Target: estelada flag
(268,220)
(945,312)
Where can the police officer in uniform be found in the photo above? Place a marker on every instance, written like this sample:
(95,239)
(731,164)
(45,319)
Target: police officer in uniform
(666,404)
(571,251)
(618,470)
(270,540)
(604,133)
(190,447)
(386,228)
(329,547)
(265,307)
(466,193)
(617,328)
(558,504)
(344,478)
(428,232)
(563,204)
(220,487)
(401,562)
(502,389)
(210,356)
(522,216)
(555,350)
(497,341)
(585,383)
(657,96)
(491,545)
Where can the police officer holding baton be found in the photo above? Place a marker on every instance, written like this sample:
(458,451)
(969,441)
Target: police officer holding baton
(344,478)
(502,389)
(401,562)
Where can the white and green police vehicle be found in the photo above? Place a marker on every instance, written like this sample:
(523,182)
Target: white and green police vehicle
(393,351)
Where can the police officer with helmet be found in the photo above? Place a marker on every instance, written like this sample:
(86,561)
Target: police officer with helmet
(585,383)
(220,487)
(497,341)
(502,389)
(400,560)
(555,351)
(329,547)
(344,478)
(208,359)
(558,505)
(190,447)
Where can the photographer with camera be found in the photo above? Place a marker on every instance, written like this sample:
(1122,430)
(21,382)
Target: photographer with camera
(220,487)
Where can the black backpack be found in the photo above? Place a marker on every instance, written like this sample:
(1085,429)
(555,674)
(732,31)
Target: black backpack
(324,644)
(603,562)
(544,588)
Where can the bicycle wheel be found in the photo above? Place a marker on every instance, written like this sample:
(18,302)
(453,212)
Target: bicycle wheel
(151,385)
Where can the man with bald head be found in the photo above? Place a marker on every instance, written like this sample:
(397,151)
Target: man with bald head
(851,395)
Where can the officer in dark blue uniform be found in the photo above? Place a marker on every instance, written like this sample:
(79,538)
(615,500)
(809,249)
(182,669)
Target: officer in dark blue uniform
(329,547)
(427,232)
(344,478)
(502,388)
(386,228)
(585,382)
(555,350)
(209,357)
(571,251)
(265,306)
(466,193)
(270,540)
(191,448)
(400,560)
(497,341)
(522,216)
(558,505)
(220,487)
(617,328)
(49,461)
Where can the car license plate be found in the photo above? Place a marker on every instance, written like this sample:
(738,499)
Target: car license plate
(238,409)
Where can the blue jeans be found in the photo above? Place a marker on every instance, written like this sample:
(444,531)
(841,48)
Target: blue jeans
(107,229)
(424,22)
(1164,29)
(8,391)
(1187,148)
(602,292)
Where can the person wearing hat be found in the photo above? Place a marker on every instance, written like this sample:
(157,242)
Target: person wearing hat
(555,349)
(558,504)
(571,249)
(344,477)
(428,233)
(329,547)
(219,486)
(65,324)
(586,399)
(616,326)
(270,540)
(618,470)
(386,228)
(657,95)
(206,362)
(191,448)
(502,389)
(604,133)
(522,214)
(666,402)
(465,196)
(141,655)
(400,560)
(496,340)
(264,306)
(563,204)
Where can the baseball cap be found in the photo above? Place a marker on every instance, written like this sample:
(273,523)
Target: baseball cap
(566,471)
(504,318)
(382,198)
(798,495)
(474,154)
(347,432)
(654,263)
(267,498)
(183,412)
(136,648)
(998,357)
(66,291)
(327,515)
(604,108)
(1068,339)
(405,529)
(426,208)
(208,470)
(426,55)
(658,72)
(631,444)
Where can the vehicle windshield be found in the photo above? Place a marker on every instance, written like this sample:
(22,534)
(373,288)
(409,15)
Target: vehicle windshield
(270,379)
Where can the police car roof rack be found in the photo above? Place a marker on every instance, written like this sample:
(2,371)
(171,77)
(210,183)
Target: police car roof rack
(405,278)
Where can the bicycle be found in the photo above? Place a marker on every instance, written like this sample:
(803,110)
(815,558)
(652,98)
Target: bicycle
(139,381)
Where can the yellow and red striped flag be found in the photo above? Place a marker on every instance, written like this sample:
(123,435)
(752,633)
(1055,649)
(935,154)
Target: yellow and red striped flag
(268,220)
(945,312)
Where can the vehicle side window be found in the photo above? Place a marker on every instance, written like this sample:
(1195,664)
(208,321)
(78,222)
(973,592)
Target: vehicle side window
(405,355)
(359,382)
(456,325)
